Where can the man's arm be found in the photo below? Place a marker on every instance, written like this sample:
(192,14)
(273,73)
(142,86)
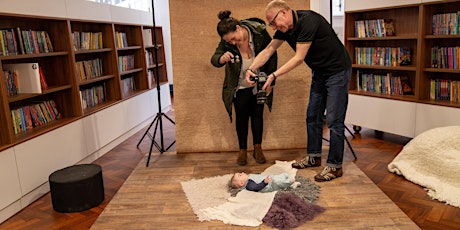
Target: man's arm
(263,57)
(296,60)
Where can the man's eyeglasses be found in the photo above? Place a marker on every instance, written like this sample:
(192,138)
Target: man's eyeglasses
(272,22)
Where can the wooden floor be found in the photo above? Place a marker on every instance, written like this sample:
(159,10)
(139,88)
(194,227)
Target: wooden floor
(373,149)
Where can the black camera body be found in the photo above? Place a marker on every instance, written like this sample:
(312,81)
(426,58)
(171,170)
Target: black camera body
(260,80)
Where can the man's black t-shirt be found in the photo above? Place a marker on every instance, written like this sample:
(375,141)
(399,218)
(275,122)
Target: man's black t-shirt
(326,55)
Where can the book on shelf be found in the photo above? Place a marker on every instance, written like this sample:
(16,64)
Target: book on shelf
(126,62)
(43,82)
(374,28)
(121,40)
(89,69)
(30,116)
(151,78)
(127,86)
(404,56)
(28,76)
(147,37)
(406,86)
(87,40)
(388,27)
(11,82)
(93,96)
(8,42)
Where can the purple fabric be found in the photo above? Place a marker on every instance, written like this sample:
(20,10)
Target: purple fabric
(290,211)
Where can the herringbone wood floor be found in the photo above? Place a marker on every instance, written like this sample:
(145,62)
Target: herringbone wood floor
(374,150)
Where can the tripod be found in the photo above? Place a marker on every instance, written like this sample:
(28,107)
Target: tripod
(348,142)
(157,121)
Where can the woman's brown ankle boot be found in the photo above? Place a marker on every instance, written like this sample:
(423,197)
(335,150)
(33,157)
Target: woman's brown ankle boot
(258,154)
(242,157)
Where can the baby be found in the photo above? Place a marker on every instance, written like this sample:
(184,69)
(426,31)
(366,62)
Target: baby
(262,183)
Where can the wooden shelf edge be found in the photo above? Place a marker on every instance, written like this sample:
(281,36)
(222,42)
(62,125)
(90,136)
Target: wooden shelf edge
(131,71)
(399,68)
(410,98)
(96,79)
(99,107)
(93,51)
(129,48)
(388,38)
(24,96)
(24,56)
(438,70)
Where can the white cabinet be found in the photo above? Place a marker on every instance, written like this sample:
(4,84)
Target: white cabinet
(385,115)
(433,116)
(10,188)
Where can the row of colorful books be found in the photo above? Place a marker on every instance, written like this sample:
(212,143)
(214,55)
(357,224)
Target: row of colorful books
(127,85)
(374,28)
(126,62)
(384,84)
(87,40)
(383,56)
(17,41)
(121,41)
(446,24)
(35,115)
(24,78)
(445,57)
(444,90)
(93,96)
(89,69)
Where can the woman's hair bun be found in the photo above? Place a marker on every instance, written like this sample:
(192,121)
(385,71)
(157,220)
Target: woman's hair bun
(224,14)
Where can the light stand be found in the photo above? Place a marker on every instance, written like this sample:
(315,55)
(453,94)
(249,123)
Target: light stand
(158,121)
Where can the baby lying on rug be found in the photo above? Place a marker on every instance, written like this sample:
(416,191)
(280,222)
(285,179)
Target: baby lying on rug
(262,183)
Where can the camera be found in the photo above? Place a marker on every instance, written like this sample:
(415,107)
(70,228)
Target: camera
(260,80)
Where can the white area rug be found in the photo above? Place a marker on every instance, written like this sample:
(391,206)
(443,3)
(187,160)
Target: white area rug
(211,200)
(432,160)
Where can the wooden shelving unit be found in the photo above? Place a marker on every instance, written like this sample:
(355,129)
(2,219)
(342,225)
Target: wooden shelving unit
(413,25)
(63,77)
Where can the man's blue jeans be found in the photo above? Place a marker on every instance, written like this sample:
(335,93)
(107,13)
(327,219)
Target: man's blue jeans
(330,95)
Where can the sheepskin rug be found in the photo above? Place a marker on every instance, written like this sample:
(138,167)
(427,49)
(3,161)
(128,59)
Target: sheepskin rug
(432,160)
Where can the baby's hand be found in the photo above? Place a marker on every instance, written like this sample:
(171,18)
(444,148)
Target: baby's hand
(268,179)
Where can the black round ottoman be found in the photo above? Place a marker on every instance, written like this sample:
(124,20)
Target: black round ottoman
(76,188)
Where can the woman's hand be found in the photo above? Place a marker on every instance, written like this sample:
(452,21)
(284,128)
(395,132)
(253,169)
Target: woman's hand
(226,57)
(250,74)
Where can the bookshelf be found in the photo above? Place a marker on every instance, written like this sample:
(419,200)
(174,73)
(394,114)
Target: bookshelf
(131,59)
(95,58)
(413,24)
(150,54)
(88,70)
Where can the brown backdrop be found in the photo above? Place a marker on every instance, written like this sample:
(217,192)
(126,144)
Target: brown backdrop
(202,124)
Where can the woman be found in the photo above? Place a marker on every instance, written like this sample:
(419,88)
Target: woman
(240,42)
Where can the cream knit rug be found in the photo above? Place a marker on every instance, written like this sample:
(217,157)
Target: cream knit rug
(432,160)
(211,200)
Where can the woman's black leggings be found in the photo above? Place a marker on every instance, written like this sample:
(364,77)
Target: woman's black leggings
(246,107)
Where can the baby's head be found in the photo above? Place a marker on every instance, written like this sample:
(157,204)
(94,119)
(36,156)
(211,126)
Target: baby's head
(239,180)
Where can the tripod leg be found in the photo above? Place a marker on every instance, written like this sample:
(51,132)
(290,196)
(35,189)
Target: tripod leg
(153,142)
(146,132)
(353,135)
(351,149)
(169,118)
